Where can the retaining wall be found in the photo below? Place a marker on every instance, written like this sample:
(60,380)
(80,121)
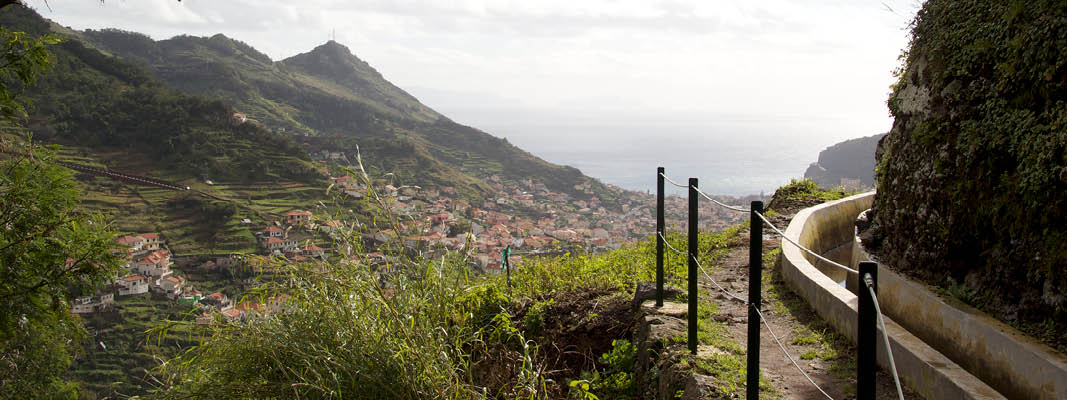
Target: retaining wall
(827,227)
(1012,363)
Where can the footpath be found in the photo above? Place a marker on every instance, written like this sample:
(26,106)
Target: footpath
(828,359)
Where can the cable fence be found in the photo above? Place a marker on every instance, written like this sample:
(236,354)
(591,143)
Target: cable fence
(867,313)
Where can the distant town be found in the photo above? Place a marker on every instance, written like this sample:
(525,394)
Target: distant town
(526,217)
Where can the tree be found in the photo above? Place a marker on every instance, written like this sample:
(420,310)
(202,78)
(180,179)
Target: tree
(22,59)
(48,249)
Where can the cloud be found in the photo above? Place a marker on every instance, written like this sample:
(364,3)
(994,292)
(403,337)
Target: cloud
(781,57)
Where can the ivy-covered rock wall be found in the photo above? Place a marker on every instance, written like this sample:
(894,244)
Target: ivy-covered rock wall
(972,179)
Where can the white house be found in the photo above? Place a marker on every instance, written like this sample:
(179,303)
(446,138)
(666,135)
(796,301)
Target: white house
(281,245)
(151,241)
(172,285)
(91,304)
(156,263)
(133,284)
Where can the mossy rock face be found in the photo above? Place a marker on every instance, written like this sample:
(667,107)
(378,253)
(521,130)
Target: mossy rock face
(972,179)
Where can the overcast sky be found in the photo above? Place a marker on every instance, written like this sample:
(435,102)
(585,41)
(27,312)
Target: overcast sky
(497,63)
(778,58)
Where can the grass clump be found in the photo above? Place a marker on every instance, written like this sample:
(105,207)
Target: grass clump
(804,191)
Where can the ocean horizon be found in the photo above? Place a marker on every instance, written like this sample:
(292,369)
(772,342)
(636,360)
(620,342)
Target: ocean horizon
(734,158)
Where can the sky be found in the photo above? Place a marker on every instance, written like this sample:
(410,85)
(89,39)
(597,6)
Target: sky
(519,68)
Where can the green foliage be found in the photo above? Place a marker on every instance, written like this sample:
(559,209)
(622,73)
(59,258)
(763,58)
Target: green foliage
(533,321)
(23,59)
(978,154)
(346,336)
(615,380)
(47,250)
(102,102)
(961,292)
(342,102)
(823,338)
(803,190)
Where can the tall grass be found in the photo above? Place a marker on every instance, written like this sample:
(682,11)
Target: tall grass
(416,328)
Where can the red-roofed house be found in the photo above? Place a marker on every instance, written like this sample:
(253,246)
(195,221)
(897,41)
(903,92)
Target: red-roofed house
(232,314)
(314,251)
(133,241)
(297,217)
(156,263)
(273,231)
(281,245)
(151,241)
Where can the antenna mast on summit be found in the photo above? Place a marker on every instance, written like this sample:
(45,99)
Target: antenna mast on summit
(333,34)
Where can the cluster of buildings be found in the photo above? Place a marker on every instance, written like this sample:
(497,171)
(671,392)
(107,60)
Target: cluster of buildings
(526,217)
(147,268)
(217,306)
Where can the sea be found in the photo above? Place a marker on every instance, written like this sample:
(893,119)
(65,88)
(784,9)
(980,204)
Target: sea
(735,157)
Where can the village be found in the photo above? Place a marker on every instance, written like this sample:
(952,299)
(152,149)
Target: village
(524,217)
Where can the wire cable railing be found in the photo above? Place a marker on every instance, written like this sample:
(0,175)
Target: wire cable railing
(673,182)
(807,250)
(713,281)
(786,352)
(721,204)
(762,318)
(756,211)
(769,224)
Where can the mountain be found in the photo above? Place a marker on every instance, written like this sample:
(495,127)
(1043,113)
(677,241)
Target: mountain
(850,160)
(93,100)
(332,100)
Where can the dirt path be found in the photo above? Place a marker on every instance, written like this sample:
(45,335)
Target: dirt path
(829,359)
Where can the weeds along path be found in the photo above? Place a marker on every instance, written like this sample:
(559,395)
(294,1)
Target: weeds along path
(829,358)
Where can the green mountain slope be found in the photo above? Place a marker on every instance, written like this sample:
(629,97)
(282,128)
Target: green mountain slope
(333,99)
(101,102)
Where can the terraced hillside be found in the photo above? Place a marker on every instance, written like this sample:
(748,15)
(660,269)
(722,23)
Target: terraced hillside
(331,94)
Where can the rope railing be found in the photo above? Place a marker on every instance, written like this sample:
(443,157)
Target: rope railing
(769,224)
(868,281)
(713,281)
(721,204)
(807,250)
(865,359)
(673,182)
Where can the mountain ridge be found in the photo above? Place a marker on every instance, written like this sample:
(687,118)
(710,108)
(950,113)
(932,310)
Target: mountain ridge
(335,100)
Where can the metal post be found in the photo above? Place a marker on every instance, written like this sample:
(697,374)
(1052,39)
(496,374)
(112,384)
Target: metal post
(693,233)
(659,237)
(867,334)
(506,263)
(755,297)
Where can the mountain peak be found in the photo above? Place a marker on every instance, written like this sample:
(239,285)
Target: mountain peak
(333,49)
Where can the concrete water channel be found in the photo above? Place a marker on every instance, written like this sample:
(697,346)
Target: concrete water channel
(943,348)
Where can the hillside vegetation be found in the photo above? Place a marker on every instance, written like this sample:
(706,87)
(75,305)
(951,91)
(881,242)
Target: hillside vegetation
(340,101)
(971,179)
(93,100)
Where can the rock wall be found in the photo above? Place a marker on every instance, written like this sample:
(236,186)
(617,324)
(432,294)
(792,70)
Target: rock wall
(972,179)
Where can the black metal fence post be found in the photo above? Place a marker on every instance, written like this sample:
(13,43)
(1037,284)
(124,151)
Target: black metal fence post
(659,237)
(755,297)
(692,254)
(866,333)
